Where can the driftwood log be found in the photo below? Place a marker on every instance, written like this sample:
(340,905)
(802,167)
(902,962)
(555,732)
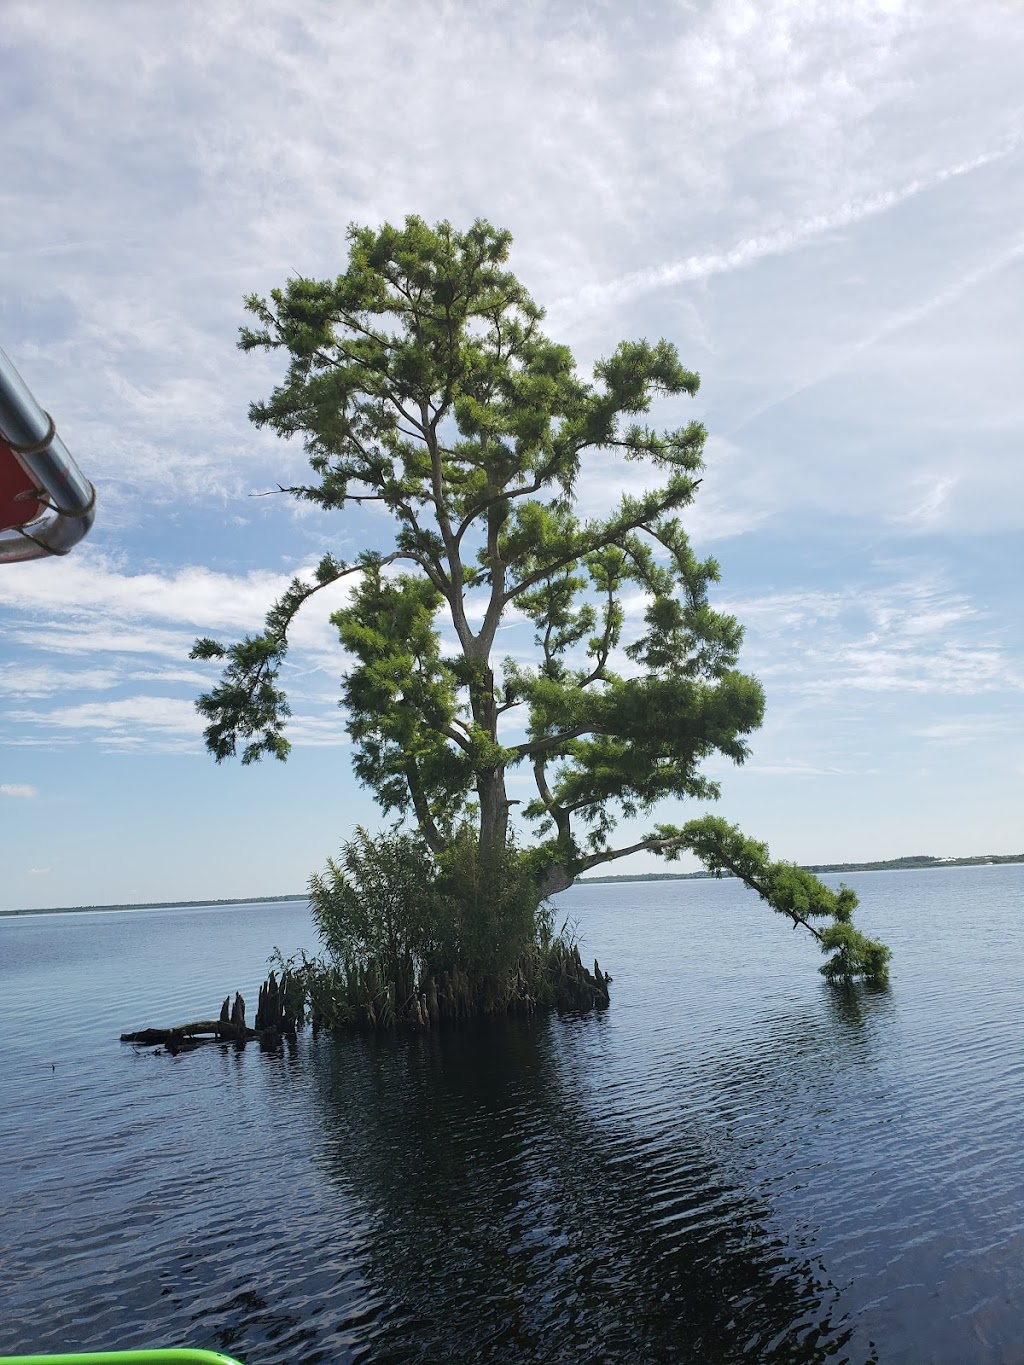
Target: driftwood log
(275,1018)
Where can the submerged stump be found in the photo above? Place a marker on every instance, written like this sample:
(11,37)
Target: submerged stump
(367,999)
(230,1027)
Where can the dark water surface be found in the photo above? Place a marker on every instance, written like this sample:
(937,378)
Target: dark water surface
(735,1162)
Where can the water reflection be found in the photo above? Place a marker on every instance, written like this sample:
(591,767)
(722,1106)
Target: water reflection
(812,1047)
(731,1163)
(858,1005)
(511,1223)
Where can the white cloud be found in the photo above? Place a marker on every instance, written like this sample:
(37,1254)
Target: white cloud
(93,584)
(755,130)
(972,730)
(912,635)
(88,607)
(42,680)
(89,597)
(795,767)
(898,320)
(160,723)
(326,731)
(791,238)
(812,199)
(123,719)
(934,500)
(101,637)
(20,790)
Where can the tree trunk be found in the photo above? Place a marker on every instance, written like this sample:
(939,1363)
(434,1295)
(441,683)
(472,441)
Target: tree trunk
(490,782)
(556,878)
(494,809)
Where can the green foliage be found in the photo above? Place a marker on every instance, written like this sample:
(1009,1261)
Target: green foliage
(401,698)
(789,889)
(387,902)
(248,704)
(486,908)
(420,380)
(372,906)
(408,938)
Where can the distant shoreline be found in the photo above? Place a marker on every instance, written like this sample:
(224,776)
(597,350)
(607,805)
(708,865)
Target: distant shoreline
(891,865)
(913,864)
(156,905)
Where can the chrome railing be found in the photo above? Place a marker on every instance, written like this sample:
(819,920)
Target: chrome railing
(67,496)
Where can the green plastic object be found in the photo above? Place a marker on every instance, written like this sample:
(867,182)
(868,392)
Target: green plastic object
(167,1357)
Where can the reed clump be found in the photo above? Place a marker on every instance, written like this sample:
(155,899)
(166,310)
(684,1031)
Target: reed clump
(411,940)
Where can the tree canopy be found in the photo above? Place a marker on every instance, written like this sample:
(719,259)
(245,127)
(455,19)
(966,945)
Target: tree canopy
(420,380)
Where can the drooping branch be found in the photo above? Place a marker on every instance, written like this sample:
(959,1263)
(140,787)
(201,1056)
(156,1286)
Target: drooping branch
(723,862)
(790,890)
(247,703)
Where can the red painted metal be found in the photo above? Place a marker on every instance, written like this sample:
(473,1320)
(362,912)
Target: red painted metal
(15,508)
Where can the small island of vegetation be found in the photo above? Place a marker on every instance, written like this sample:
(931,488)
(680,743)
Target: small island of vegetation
(421,383)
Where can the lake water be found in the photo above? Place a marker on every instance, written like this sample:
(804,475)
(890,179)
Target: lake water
(735,1162)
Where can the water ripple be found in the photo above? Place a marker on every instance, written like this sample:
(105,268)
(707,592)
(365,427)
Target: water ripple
(736,1163)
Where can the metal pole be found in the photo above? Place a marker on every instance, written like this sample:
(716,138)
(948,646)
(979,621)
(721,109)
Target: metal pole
(30,434)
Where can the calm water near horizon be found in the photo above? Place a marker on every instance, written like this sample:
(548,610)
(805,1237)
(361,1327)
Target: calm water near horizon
(733,1163)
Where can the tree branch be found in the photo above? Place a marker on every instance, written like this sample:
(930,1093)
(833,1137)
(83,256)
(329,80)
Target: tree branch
(557,813)
(424,818)
(612,533)
(681,841)
(549,742)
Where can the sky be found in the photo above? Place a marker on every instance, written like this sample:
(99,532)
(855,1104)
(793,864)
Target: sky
(820,204)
